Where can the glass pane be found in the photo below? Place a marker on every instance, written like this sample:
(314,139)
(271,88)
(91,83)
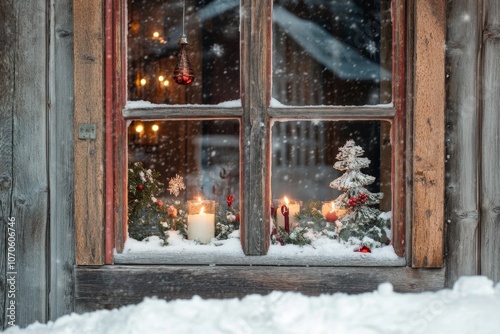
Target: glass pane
(332,52)
(308,169)
(173,162)
(212,31)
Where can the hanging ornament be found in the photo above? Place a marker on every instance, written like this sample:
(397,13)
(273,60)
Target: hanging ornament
(183,74)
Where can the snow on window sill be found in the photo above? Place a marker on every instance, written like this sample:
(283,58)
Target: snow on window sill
(229,252)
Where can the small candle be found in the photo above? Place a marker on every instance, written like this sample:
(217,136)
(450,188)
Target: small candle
(328,207)
(201,221)
(293,209)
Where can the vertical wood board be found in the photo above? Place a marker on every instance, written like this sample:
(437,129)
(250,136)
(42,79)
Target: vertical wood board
(61,166)
(462,139)
(29,160)
(490,149)
(7,70)
(428,134)
(89,108)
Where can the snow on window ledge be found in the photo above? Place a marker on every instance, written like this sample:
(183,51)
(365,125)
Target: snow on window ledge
(322,252)
(130,105)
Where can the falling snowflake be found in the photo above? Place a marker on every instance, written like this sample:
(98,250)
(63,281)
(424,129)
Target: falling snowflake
(176,184)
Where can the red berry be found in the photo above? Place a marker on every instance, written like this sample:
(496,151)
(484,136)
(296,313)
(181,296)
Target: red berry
(160,203)
(140,187)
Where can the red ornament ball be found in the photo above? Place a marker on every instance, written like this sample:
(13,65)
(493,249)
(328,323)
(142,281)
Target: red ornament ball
(363,249)
(140,187)
(331,216)
(160,202)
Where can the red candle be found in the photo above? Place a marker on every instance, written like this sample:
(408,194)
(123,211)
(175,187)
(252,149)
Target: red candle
(286,214)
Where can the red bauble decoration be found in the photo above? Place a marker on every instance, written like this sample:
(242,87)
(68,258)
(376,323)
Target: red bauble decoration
(331,216)
(363,249)
(160,202)
(230,200)
(140,187)
(183,74)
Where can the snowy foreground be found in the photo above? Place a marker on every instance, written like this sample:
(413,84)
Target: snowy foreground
(472,306)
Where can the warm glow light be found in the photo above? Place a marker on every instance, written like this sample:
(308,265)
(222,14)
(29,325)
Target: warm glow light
(155,127)
(139,128)
(333,206)
(202,210)
(199,199)
(166,83)
(143,82)
(161,78)
(156,34)
(286,201)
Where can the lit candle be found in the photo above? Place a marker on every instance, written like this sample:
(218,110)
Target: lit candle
(201,221)
(329,207)
(293,209)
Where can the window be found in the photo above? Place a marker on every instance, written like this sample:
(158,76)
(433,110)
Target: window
(272,101)
(331,80)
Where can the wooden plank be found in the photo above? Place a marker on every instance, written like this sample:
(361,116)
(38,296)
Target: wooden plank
(462,140)
(344,112)
(119,285)
(29,160)
(89,154)
(61,166)
(428,135)
(490,146)
(7,73)
(182,112)
(256,88)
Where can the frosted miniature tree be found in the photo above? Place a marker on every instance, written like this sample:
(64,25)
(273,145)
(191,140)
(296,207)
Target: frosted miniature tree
(361,224)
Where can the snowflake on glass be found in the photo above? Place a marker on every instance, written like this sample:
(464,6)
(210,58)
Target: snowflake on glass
(176,184)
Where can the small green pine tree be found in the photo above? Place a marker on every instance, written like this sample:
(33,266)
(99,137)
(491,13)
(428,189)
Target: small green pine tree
(145,213)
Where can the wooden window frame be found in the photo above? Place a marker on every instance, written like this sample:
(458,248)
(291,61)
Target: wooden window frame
(100,95)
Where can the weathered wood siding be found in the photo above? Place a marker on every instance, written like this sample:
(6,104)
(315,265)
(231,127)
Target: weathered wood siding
(462,119)
(490,143)
(61,162)
(36,111)
(24,138)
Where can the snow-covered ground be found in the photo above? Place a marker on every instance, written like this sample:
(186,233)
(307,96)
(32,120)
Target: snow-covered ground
(472,306)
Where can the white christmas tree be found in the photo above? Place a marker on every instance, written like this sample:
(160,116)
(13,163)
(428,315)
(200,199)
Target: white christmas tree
(361,224)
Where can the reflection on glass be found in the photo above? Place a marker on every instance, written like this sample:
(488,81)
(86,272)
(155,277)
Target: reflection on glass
(204,153)
(304,152)
(212,30)
(332,52)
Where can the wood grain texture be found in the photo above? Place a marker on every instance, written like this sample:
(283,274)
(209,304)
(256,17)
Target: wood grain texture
(30,205)
(61,165)
(490,145)
(119,285)
(89,154)
(7,73)
(462,139)
(345,112)
(428,134)
(256,71)
(182,112)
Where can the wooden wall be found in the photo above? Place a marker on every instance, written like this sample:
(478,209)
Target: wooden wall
(36,157)
(473,146)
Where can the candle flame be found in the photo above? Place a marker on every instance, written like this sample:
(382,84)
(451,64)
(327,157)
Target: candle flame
(202,210)
(199,199)
(286,201)
(333,206)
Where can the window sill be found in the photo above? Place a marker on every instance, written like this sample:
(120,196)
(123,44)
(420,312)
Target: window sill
(353,259)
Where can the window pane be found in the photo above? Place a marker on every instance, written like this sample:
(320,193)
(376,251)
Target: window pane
(154,29)
(204,153)
(303,157)
(332,52)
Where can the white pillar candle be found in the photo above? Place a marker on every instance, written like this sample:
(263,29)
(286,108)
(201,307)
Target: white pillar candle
(293,209)
(201,221)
